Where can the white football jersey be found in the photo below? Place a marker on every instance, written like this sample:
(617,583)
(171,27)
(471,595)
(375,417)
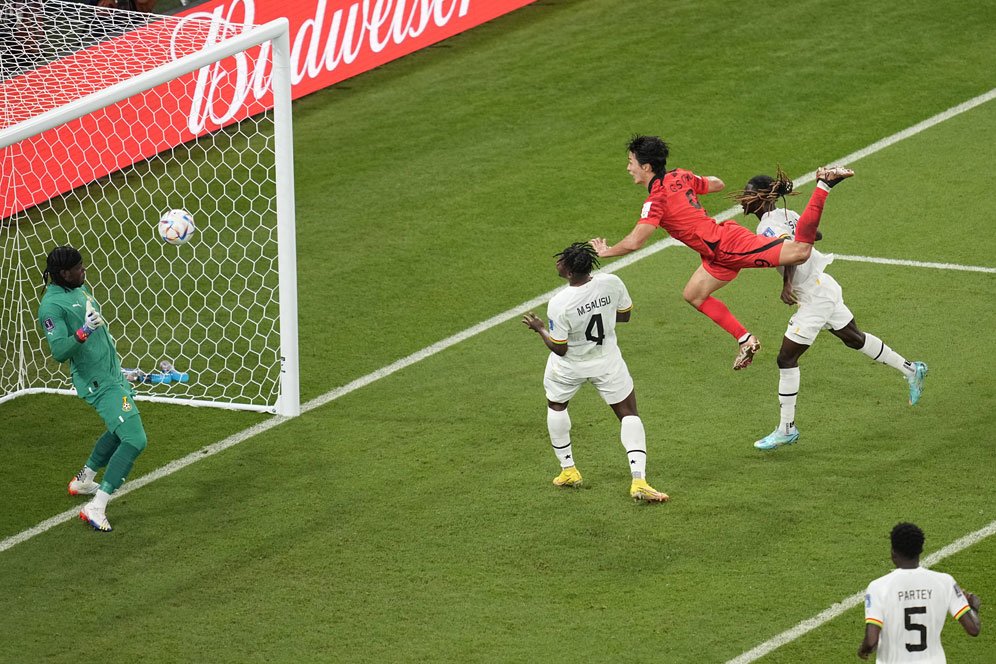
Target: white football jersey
(781,223)
(585,317)
(910,606)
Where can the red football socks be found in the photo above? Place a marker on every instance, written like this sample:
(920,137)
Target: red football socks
(720,315)
(805,228)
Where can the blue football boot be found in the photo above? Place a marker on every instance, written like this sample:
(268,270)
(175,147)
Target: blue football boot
(776,439)
(916,381)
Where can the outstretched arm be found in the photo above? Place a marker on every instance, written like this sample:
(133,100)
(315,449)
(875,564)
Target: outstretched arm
(715,184)
(635,240)
(533,322)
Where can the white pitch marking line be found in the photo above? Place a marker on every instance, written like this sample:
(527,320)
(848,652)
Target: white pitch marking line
(936,266)
(338,392)
(854,600)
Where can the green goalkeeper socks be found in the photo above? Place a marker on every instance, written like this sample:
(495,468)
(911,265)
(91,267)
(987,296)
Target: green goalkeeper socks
(103,450)
(119,467)
(132,436)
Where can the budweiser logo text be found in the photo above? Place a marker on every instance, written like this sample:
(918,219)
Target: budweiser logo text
(330,38)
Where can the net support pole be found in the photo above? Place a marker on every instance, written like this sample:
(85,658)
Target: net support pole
(289,402)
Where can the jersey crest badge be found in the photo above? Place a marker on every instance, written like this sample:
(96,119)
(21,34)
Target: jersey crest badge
(125,404)
(49,325)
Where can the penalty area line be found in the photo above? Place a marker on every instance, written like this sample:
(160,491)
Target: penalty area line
(854,600)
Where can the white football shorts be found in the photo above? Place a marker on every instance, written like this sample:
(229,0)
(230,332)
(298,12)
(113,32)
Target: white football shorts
(821,307)
(561,383)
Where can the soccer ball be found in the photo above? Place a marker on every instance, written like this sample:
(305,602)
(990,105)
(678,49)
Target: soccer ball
(176,226)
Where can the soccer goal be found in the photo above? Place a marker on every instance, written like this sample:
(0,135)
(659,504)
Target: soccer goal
(109,119)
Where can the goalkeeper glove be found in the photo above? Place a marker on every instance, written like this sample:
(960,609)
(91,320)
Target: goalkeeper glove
(91,322)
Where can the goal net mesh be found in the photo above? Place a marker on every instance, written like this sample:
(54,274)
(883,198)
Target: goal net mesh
(100,183)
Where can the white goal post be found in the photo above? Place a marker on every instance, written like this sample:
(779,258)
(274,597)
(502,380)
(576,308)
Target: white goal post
(221,308)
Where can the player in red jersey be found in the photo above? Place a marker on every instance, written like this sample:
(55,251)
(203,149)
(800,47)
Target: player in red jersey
(727,247)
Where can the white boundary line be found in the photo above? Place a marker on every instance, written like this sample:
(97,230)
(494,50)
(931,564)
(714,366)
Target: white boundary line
(936,266)
(854,600)
(439,346)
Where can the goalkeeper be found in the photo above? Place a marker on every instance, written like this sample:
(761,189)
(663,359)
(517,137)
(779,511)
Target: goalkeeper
(77,333)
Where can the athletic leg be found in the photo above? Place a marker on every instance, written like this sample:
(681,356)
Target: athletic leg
(789,379)
(698,292)
(798,251)
(788,392)
(877,350)
(632,435)
(83,483)
(558,424)
(133,440)
(634,441)
(560,385)
(103,450)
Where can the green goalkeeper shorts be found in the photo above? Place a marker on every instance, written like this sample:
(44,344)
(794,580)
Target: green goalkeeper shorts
(114,404)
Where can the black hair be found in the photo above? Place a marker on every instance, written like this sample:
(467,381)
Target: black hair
(580,258)
(907,540)
(650,150)
(765,189)
(760,182)
(60,258)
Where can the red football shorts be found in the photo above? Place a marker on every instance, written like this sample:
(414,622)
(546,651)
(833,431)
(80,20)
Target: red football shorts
(739,248)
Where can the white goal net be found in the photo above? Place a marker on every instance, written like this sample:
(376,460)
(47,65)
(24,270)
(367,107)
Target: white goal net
(111,118)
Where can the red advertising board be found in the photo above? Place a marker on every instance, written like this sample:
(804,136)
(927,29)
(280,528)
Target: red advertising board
(331,40)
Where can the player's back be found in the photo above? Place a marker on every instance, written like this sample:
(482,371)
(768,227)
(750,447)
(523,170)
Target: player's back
(912,605)
(585,316)
(673,205)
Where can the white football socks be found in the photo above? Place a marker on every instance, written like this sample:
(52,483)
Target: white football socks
(634,439)
(558,423)
(876,349)
(100,500)
(788,392)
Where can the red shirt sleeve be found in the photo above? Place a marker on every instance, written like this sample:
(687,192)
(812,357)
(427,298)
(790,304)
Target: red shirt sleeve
(700,185)
(653,210)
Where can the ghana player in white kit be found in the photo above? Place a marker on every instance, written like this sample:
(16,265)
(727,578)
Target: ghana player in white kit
(583,349)
(821,307)
(905,609)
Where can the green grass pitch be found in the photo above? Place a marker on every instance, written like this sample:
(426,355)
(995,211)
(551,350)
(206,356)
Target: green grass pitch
(413,520)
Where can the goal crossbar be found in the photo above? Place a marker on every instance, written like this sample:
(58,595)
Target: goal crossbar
(146,81)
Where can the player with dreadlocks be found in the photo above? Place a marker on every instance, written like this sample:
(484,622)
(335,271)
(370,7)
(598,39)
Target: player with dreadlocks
(821,306)
(904,610)
(77,333)
(583,349)
(725,248)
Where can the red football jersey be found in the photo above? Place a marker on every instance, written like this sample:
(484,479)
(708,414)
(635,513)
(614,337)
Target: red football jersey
(673,204)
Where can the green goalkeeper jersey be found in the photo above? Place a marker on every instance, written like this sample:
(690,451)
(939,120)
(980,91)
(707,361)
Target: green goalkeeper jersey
(94,363)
